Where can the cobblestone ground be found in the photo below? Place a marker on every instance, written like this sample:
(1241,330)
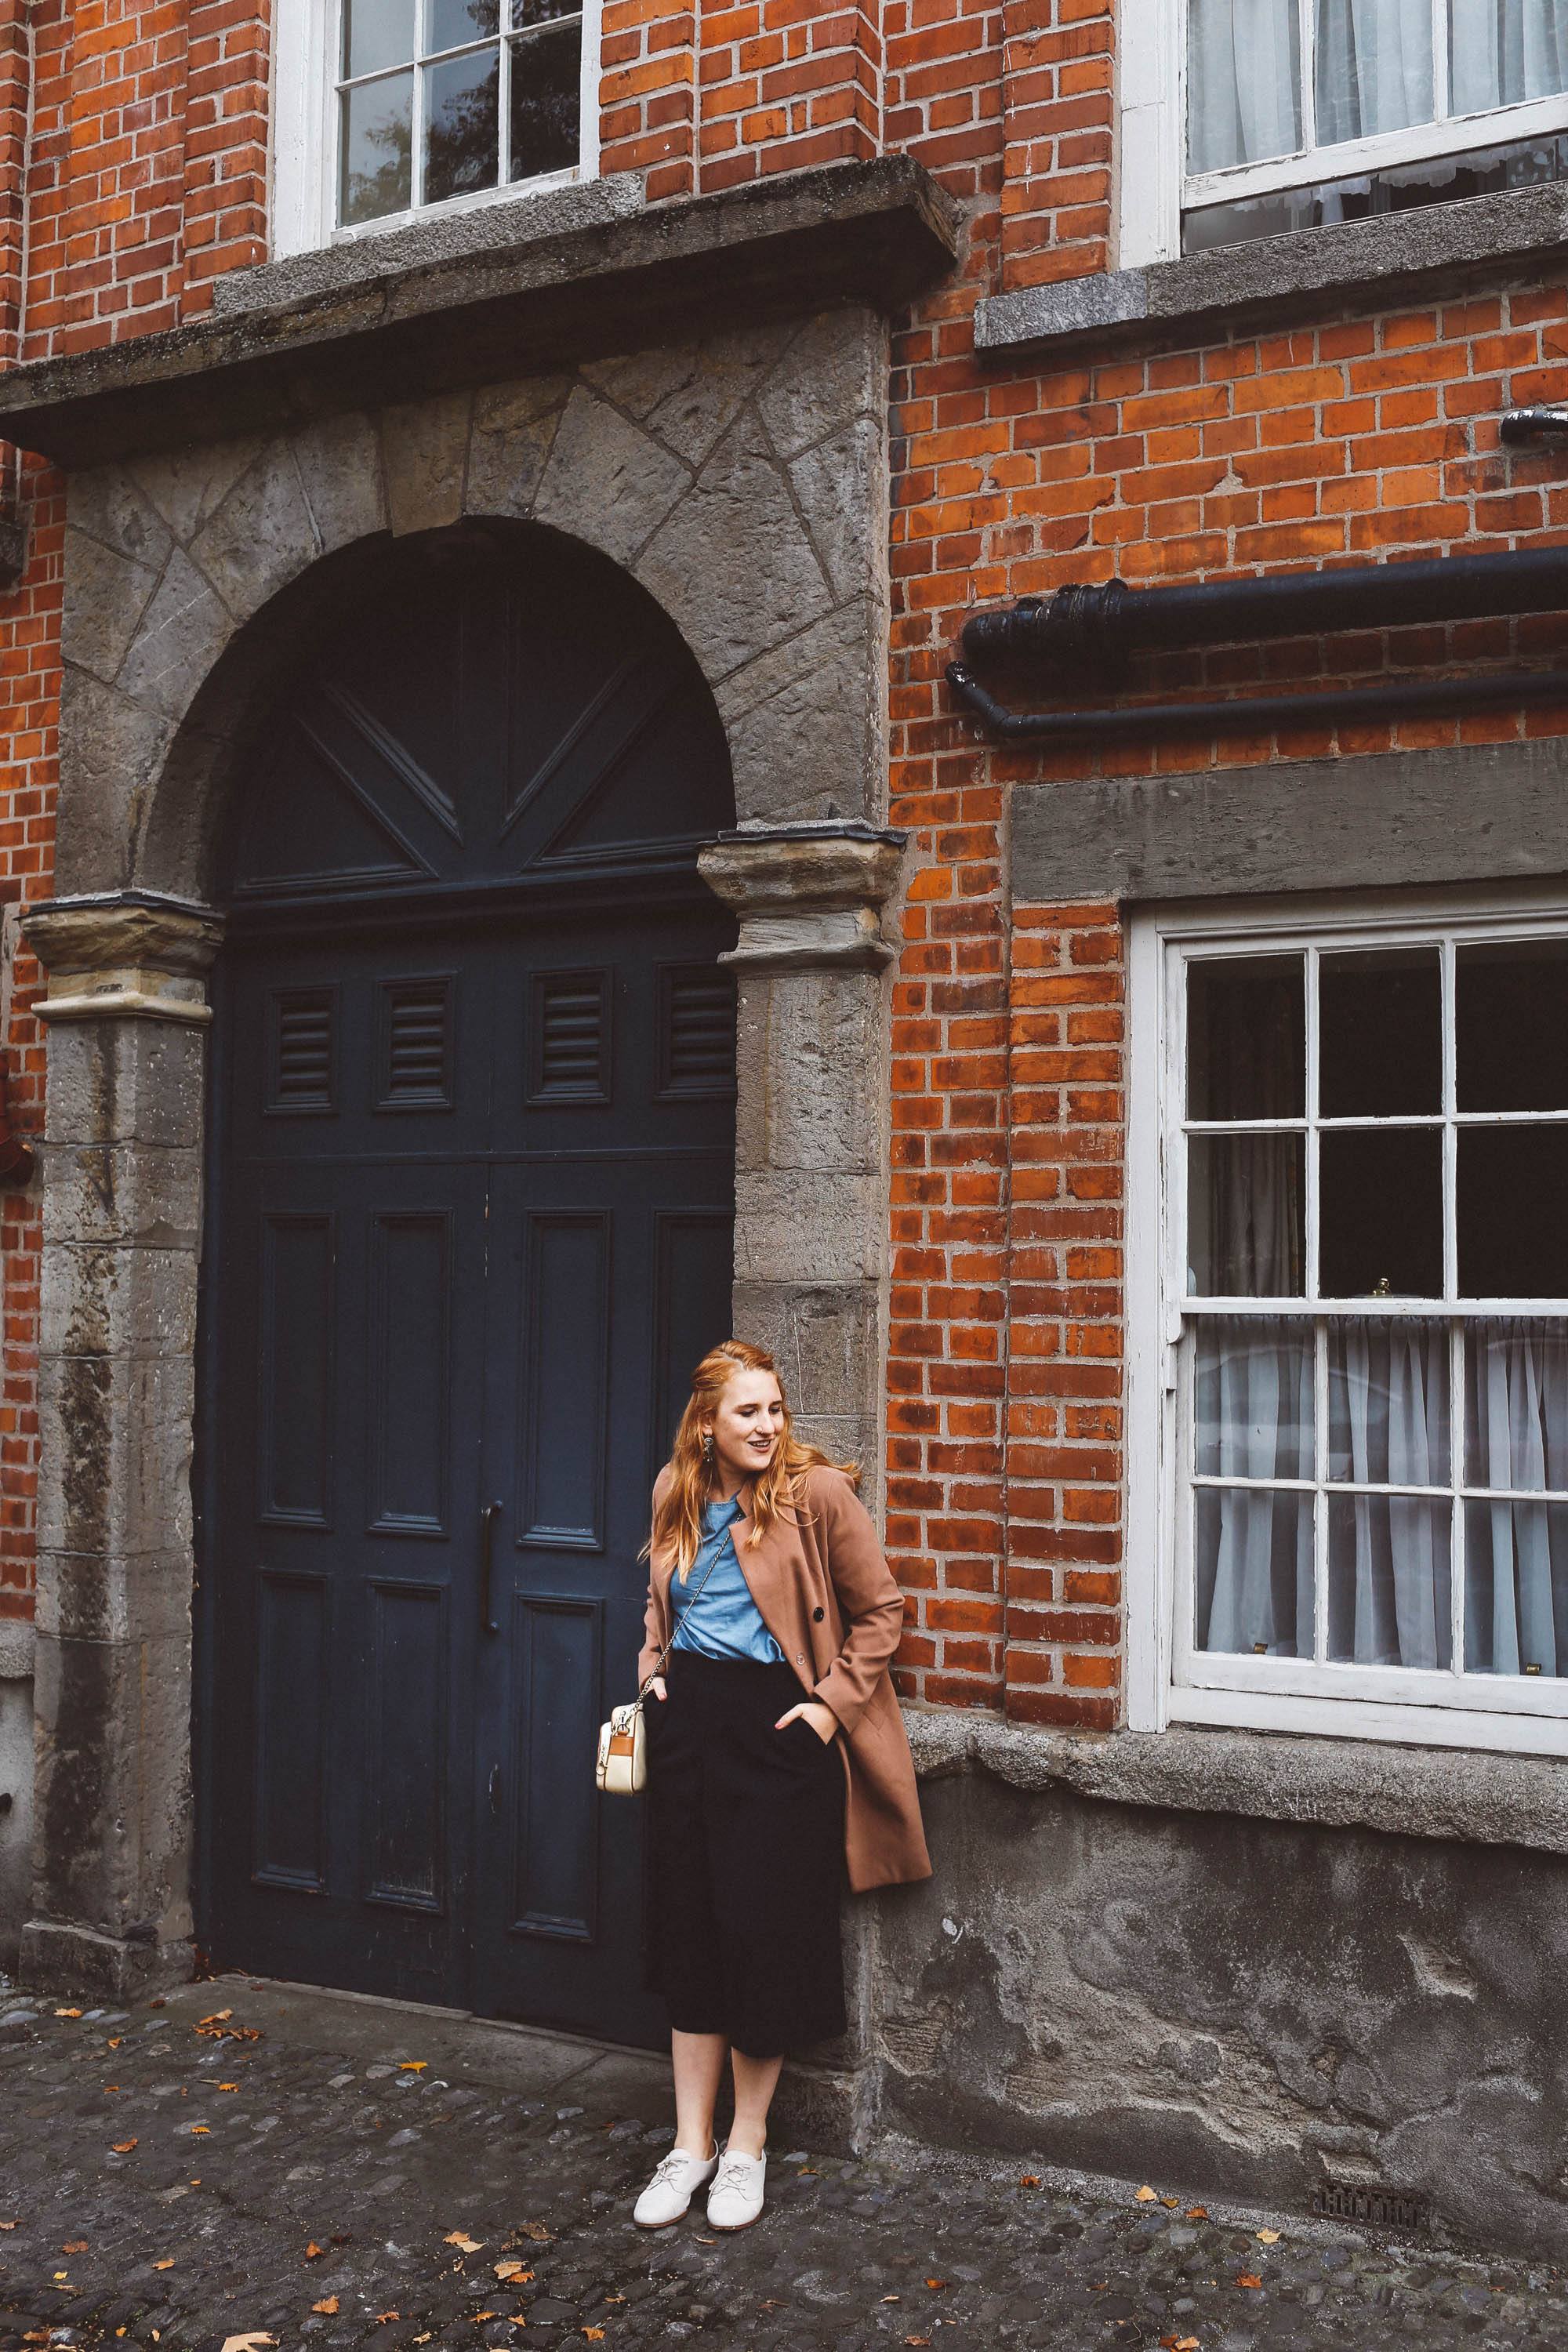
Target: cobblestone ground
(357,2175)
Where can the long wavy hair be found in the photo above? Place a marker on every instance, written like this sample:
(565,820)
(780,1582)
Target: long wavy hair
(678,1518)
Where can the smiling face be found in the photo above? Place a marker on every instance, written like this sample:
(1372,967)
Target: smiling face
(746,1427)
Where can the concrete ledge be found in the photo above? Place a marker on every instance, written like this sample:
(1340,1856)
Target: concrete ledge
(527,288)
(1468,1794)
(1366,257)
(16,1639)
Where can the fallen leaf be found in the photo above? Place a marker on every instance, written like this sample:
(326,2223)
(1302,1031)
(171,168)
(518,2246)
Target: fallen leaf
(1145,2196)
(383,2319)
(917,2339)
(162,2003)
(1197,2212)
(123,2146)
(1169,2201)
(1269,2237)
(312,2251)
(892,2298)
(594,2335)
(478,2318)
(412,2065)
(1249,2278)
(935,2283)
(7,2225)
(110,2086)
(512,2269)
(535,2230)
(166,2265)
(426,2339)
(67,2013)
(328,2305)
(1187,2344)
(461,2238)
(235,2343)
(218,2017)
(228,2086)
(1028,2180)
(64,2274)
(201,2131)
(77,2246)
(114,2041)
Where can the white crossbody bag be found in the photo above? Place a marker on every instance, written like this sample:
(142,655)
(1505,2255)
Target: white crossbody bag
(622,1768)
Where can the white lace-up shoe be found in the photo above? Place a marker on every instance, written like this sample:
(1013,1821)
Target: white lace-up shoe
(735,2198)
(673,2187)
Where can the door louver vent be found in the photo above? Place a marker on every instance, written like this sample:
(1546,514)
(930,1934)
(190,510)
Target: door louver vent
(417,1039)
(569,1037)
(698,1033)
(301,1071)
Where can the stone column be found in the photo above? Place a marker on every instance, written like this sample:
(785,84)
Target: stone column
(811,1152)
(127,1011)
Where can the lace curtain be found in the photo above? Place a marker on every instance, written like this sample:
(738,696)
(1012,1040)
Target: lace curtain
(1373,69)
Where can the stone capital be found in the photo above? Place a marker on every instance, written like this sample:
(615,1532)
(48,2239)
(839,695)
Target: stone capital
(807,895)
(124,955)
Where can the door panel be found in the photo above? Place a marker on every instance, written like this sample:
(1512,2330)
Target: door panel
(474,1197)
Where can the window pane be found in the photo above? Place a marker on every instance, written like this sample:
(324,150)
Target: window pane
(461,125)
(451,23)
(1505,50)
(1516,1405)
(1380,1213)
(1516,1588)
(1252,1571)
(1246,1038)
(546,102)
(1373,67)
(1513,1231)
(1380,1026)
(1246,1216)
(1512,1018)
(1244,82)
(1388,1402)
(1253,1402)
(378,146)
(1389,1576)
(376,33)
(525,13)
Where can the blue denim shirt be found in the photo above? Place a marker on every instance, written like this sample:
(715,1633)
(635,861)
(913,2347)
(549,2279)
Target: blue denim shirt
(721,1619)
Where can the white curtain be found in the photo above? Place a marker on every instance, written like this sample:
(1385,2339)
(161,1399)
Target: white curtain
(1505,50)
(1243,83)
(1373,67)
(1389,1555)
(1516,1435)
(1254,1548)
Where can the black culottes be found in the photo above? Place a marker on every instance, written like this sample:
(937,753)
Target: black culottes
(745,1858)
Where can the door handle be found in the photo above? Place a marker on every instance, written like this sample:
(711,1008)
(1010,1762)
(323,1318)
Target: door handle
(488,1517)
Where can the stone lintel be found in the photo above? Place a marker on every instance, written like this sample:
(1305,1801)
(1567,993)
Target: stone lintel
(807,895)
(430,313)
(1469,1794)
(124,955)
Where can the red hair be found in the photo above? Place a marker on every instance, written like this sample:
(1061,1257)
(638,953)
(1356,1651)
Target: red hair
(678,1519)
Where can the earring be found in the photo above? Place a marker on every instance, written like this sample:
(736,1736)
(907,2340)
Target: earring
(708,1452)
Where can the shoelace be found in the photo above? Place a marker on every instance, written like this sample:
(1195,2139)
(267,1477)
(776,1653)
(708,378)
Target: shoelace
(668,2167)
(734,2173)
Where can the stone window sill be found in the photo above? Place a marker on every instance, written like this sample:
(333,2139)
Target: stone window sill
(1475,1797)
(1279,273)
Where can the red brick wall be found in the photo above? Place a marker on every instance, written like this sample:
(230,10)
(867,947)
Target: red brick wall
(1354,434)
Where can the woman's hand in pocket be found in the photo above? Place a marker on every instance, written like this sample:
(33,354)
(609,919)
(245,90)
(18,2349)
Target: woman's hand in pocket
(822,1719)
(656,1688)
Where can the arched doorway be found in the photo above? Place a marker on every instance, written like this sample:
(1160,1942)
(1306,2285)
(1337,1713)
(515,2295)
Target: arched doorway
(471,1210)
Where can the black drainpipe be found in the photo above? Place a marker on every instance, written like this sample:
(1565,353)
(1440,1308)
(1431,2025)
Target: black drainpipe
(1095,629)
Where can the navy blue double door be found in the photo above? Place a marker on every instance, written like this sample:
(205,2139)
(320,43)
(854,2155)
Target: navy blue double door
(473,1228)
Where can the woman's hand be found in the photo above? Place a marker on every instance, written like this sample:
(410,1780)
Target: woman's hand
(656,1688)
(822,1719)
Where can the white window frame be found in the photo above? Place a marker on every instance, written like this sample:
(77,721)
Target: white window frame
(304,116)
(1156,188)
(1167,1681)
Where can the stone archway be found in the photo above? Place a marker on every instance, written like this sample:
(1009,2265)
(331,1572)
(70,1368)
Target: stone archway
(742,482)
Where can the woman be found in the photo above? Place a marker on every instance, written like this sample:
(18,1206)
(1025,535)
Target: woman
(766,1581)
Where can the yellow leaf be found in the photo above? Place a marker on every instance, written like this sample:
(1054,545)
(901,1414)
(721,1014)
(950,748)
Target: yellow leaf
(201,2131)
(77,2246)
(238,2342)
(1269,2237)
(1187,2344)
(1249,2278)
(64,2274)
(594,2335)
(328,2305)
(115,2040)
(7,2225)
(1145,2196)
(934,2284)
(312,2251)
(218,2017)
(412,2065)
(1028,2180)
(512,2273)
(123,2146)
(228,2086)
(1197,2212)
(67,2013)
(383,2318)
(479,2318)
(461,2238)
(166,2265)
(1168,2201)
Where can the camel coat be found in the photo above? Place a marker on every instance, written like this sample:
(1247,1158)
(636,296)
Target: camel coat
(826,1595)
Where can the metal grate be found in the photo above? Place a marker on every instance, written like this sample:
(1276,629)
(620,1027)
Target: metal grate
(698,1040)
(1377,2209)
(569,1049)
(417,1017)
(301,1071)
